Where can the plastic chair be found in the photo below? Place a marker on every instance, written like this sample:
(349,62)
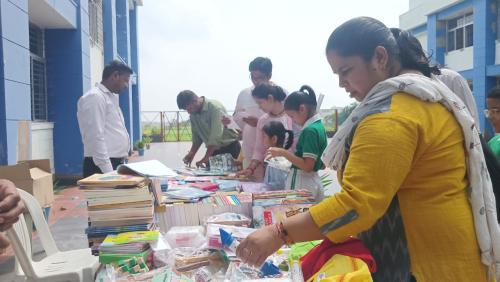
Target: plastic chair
(75,265)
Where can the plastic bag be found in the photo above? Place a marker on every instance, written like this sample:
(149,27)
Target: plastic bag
(229,218)
(222,162)
(162,253)
(277,170)
(213,234)
(185,236)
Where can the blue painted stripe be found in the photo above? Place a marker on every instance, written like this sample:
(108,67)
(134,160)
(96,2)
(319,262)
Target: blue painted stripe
(454,10)
(493,70)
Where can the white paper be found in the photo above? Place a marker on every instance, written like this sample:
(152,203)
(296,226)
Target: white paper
(320,101)
(152,168)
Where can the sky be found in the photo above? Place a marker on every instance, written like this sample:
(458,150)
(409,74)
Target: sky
(206,45)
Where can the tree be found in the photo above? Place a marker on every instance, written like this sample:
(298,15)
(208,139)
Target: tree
(346,112)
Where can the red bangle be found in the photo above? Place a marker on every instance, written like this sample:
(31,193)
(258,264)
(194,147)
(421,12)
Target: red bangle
(283,234)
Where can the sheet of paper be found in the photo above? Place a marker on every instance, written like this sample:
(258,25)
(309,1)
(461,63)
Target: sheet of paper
(152,168)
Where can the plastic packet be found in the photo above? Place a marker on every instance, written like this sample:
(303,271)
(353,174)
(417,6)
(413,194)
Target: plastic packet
(207,273)
(185,236)
(188,259)
(229,218)
(162,252)
(213,234)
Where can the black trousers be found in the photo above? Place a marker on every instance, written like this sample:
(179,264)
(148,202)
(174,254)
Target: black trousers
(233,149)
(90,168)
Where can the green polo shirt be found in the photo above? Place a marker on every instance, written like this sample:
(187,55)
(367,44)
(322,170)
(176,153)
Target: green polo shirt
(312,142)
(494,144)
(207,127)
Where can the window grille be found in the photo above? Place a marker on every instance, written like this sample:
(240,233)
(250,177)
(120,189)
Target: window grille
(95,23)
(460,32)
(38,76)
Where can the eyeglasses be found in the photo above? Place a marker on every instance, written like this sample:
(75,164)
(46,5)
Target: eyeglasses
(258,77)
(491,112)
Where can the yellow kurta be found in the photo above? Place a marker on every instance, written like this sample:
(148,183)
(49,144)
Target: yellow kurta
(413,151)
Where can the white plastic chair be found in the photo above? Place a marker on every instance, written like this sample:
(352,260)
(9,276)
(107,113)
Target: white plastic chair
(75,265)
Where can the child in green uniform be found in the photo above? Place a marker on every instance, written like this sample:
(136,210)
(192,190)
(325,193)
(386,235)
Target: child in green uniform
(493,115)
(301,107)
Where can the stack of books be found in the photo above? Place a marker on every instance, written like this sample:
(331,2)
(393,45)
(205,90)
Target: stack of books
(116,203)
(192,214)
(274,206)
(127,245)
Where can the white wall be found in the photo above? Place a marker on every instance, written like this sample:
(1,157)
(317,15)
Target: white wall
(497,53)
(422,38)
(96,64)
(417,15)
(416,3)
(460,60)
(42,141)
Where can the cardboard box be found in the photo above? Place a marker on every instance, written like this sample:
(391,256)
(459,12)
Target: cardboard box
(34,177)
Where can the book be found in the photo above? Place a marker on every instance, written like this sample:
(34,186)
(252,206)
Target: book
(187,193)
(111,180)
(130,237)
(114,257)
(206,186)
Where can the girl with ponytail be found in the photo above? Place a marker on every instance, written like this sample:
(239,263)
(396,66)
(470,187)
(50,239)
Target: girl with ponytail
(277,169)
(300,106)
(270,99)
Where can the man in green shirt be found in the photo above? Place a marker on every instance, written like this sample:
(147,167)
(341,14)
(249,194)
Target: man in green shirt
(493,114)
(206,127)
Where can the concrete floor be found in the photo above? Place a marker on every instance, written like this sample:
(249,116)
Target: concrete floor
(68,217)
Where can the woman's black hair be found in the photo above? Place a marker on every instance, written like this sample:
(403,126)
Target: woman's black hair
(264,90)
(360,36)
(305,96)
(276,128)
(411,55)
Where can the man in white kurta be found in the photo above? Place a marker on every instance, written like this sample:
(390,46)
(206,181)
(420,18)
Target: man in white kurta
(247,112)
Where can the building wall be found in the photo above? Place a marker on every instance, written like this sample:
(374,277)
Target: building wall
(460,60)
(478,63)
(72,66)
(15,95)
(96,64)
(68,74)
(420,9)
(422,38)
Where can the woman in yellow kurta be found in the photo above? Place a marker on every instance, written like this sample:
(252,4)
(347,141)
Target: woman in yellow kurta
(404,182)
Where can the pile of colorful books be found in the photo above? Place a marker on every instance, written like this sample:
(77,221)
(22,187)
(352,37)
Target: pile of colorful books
(127,245)
(116,203)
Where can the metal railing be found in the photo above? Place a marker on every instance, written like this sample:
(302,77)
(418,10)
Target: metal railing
(174,126)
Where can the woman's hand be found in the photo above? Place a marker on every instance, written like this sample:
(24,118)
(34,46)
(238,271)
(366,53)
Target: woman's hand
(11,205)
(275,152)
(245,172)
(259,245)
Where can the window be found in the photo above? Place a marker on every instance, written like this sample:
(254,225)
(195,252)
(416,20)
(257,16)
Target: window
(459,33)
(38,74)
(95,23)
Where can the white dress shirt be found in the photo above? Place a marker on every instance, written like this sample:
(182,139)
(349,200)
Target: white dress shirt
(245,107)
(102,127)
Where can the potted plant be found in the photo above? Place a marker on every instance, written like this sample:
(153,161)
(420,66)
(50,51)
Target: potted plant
(140,147)
(147,142)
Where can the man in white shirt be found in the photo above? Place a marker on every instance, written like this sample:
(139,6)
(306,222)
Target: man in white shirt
(247,112)
(106,142)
